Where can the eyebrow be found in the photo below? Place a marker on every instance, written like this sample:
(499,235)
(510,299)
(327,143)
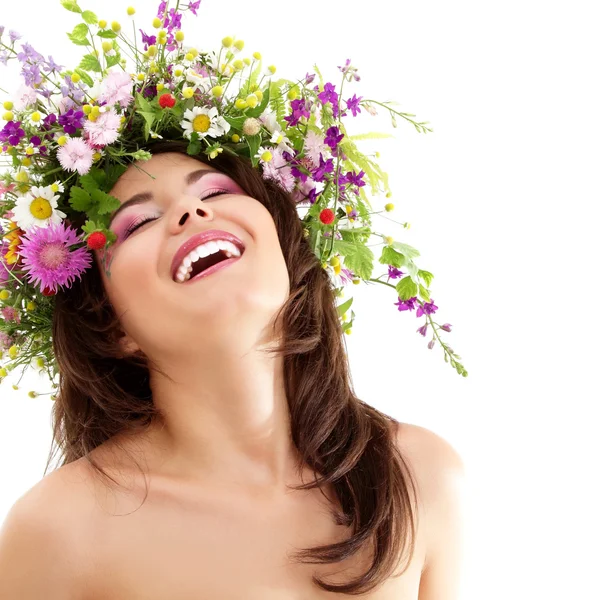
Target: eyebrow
(144,197)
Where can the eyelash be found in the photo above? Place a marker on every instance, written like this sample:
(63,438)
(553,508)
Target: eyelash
(138,224)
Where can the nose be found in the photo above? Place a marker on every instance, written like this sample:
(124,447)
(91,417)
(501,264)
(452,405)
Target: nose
(190,209)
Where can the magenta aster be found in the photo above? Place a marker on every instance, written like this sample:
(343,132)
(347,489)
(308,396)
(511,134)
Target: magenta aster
(48,259)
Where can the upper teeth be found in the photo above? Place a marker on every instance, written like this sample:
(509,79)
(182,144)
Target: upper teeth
(185,268)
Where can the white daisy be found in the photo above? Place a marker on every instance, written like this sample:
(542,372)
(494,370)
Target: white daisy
(204,121)
(35,119)
(202,83)
(282,141)
(38,207)
(58,187)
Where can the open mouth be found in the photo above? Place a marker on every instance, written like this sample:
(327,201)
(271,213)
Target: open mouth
(206,262)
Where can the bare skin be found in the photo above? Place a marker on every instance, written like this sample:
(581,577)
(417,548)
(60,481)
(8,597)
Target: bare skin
(219,520)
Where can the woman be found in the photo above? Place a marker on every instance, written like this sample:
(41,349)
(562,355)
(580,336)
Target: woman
(199,461)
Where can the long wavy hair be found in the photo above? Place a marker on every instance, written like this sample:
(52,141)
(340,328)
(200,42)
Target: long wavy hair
(101,394)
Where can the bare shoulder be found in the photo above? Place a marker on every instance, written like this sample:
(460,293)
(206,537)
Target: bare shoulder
(44,533)
(440,474)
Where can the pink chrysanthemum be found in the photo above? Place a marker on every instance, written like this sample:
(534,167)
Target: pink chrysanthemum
(10,313)
(47,257)
(104,130)
(76,155)
(5,341)
(116,87)
(279,171)
(314,144)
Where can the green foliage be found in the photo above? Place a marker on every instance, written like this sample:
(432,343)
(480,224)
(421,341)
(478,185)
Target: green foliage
(389,256)
(89,17)
(362,163)
(357,257)
(71,5)
(253,145)
(107,34)
(342,308)
(406,288)
(258,110)
(194,146)
(111,61)
(90,63)
(426,276)
(252,80)
(79,35)
(79,199)
(277,100)
(407,250)
(85,77)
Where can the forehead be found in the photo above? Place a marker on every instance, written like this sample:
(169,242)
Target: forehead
(165,169)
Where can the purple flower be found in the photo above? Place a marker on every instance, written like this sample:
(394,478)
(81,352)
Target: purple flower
(299,109)
(193,7)
(351,178)
(406,304)
(348,69)
(423,329)
(333,137)
(161,9)
(309,78)
(4,57)
(446,327)
(12,133)
(48,122)
(71,121)
(427,309)
(394,273)
(147,40)
(329,95)
(353,104)
(323,168)
(52,66)
(35,140)
(14,36)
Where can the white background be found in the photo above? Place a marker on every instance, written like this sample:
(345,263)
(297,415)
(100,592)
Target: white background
(501,200)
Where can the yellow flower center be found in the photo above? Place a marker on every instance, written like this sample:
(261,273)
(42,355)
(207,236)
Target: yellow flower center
(40,208)
(201,123)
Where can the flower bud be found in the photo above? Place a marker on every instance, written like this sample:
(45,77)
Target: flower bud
(241,104)
(157,23)
(235,138)
(107,46)
(189,57)
(238,65)
(187,92)
(257,56)
(8,115)
(252,100)
(152,50)
(8,105)
(239,45)
(388,239)
(179,36)
(272,69)
(115,26)
(389,207)
(102,24)
(130,11)
(227,42)
(251,126)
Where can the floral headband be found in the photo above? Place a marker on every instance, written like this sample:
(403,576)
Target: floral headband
(69,134)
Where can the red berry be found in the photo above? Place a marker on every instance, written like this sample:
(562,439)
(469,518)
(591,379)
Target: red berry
(96,241)
(166,101)
(48,292)
(327,216)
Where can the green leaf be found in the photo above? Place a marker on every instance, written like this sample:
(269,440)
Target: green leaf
(235,122)
(112,172)
(406,288)
(90,63)
(258,110)
(89,17)
(79,32)
(70,5)
(88,182)
(407,250)
(424,293)
(342,308)
(106,204)
(111,61)
(427,277)
(390,257)
(85,77)
(107,34)
(254,145)
(80,200)
(357,257)
(194,146)
(149,117)
(143,103)
(78,41)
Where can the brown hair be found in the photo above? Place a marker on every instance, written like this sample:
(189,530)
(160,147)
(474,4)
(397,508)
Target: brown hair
(337,435)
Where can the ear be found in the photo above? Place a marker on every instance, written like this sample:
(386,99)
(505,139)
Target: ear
(127,346)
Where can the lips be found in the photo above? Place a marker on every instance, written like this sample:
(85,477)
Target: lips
(198,240)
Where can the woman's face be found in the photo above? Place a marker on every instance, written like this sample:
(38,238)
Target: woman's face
(162,316)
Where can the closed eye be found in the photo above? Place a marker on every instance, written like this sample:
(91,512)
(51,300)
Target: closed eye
(136,225)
